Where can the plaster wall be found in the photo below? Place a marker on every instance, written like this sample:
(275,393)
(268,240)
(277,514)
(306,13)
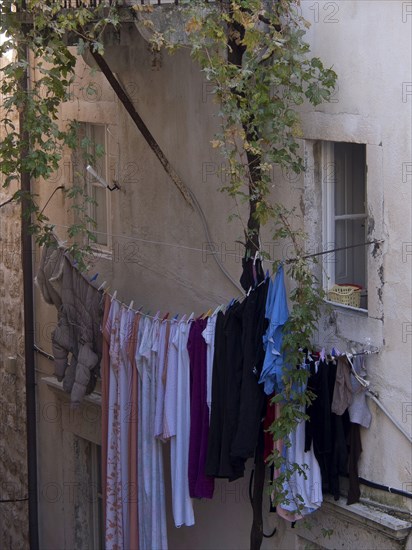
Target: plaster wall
(160,256)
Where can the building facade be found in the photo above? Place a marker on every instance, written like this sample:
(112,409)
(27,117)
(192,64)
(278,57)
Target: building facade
(153,249)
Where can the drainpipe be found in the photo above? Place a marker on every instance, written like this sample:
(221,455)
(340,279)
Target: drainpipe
(27,252)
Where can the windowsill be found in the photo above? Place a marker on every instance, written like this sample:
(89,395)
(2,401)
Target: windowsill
(345,307)
(366,515)
(94,398)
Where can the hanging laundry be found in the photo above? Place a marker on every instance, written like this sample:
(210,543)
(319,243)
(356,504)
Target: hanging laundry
(50,273)
(277,314)
(342,393)
(125,400)
(318,428)
(177,422)
(158,512)
(209,337)
(160,375)
(359,412)
(114,509)
(218,400)
(133,440)
(143,509)
(303,492)
(80,311)
(105,374)
(200,485)
(237,397)
(227,377)
(150,460)
(252,397)
(145,436)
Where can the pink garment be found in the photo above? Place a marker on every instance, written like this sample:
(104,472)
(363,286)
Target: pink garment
(105,375)
(125,399)
(114,509)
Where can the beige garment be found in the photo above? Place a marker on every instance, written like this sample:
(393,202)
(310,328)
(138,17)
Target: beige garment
(342,392)
(105,376)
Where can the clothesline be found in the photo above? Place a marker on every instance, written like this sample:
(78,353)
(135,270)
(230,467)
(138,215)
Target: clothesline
(229,253)
(208,313)
(178,380)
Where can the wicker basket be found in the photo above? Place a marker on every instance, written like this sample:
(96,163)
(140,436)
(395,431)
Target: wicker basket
(349,295)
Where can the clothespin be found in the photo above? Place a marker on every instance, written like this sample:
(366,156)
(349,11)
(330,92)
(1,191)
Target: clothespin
(217,310)
(322,354)
(165,317)
(267,276)
(94,277)
(207,314)
(114,295)
(230,304)
(102,285)
(191,317)
(175,317)
(131,305)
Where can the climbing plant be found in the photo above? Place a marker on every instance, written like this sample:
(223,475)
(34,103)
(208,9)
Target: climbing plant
(254,54)
(38,46)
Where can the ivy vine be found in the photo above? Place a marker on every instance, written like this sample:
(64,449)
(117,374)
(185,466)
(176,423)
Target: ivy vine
(254,53)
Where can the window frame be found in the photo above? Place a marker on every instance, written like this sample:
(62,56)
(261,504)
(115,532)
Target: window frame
(104,249)
(328,184)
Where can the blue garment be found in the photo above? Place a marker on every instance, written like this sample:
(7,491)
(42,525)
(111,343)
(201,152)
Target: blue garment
(277,313)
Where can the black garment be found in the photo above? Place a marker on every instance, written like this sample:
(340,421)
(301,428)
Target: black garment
(252,396)
(218,400)
(318,428)
(355,450)
(237,398)
(336,443)
(233,365)
(226,384)
(252,273)
(339,459)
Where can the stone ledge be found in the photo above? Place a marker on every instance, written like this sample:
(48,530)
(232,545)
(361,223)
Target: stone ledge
(388,525)
(94,398)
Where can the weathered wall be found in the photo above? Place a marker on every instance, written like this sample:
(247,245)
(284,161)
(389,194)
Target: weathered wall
(13,469)
(160,257)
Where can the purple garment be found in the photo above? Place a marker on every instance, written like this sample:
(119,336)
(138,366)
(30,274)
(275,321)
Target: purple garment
(200,485)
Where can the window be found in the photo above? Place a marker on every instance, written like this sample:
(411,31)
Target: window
(99,210)
(344,216)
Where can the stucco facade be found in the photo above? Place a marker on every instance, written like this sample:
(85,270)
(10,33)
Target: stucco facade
(159,256)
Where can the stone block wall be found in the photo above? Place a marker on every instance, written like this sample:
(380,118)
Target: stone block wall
(13,468)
